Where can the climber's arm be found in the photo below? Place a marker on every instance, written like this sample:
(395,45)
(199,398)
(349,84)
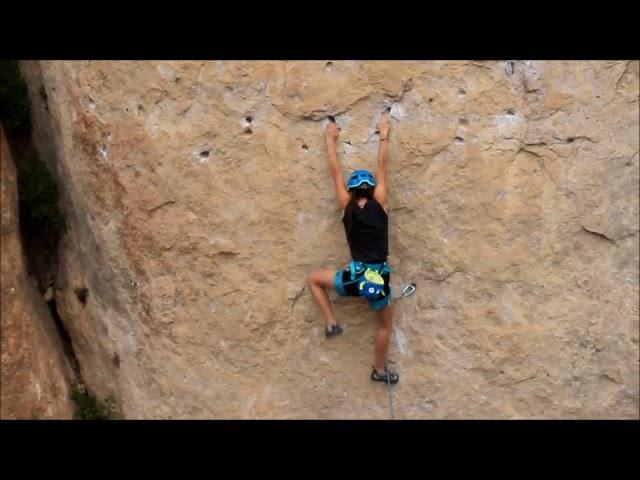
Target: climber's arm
(382,176)
(331,135)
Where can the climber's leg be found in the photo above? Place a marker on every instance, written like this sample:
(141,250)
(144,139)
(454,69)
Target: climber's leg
(381,373)
(383,336)
(318,281)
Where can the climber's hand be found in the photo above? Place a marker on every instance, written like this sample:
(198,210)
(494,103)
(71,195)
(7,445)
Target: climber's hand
(384,125)
(332,131)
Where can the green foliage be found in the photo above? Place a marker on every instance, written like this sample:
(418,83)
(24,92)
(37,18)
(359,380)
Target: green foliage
(90,408)
(38,196)
(14,98)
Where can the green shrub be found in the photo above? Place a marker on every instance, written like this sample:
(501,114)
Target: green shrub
(88,407)
(38,199)
(14,98)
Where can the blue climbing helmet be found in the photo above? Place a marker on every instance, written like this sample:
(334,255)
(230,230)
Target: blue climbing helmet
(360,177)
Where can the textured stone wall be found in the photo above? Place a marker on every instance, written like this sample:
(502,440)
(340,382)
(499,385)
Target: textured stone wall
(199,198)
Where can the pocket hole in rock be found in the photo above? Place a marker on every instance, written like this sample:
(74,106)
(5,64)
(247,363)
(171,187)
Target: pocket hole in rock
(81,294)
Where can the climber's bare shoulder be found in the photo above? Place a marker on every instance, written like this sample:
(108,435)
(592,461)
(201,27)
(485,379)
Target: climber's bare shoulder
(382,200)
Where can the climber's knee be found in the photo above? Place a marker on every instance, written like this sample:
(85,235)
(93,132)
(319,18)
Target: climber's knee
(322,277)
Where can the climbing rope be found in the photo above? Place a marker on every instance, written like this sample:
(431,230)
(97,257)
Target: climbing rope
(386,367)
(406,291)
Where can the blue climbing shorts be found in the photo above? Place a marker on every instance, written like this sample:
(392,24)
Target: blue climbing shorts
(349,282)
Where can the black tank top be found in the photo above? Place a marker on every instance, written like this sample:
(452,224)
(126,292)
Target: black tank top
(369,235)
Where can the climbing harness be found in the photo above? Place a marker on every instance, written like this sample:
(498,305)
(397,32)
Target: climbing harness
(372,277)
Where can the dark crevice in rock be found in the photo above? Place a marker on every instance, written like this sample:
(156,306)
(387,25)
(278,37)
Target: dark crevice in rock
(530,152)
(444,277)
(573,139)
(43,97)
(81,294)
(42,224)
(611,379)
(67,345)
(599,235)
(624,71)
(163,204)
(297,297)
(41,219)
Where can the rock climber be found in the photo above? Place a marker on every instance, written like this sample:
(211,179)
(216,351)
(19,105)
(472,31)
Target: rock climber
(365,219)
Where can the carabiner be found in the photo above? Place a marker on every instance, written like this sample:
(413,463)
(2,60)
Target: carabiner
(408,290)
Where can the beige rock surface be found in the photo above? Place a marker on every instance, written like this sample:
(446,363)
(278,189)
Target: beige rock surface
(34,374)
(514,206)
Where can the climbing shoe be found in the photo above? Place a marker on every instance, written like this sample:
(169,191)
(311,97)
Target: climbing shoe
(333,331)
(388,376)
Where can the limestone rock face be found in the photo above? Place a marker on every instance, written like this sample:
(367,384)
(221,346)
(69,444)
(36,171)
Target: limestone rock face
(34,373)
(198,200)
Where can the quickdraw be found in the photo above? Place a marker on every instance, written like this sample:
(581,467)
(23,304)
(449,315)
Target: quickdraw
(408,290)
